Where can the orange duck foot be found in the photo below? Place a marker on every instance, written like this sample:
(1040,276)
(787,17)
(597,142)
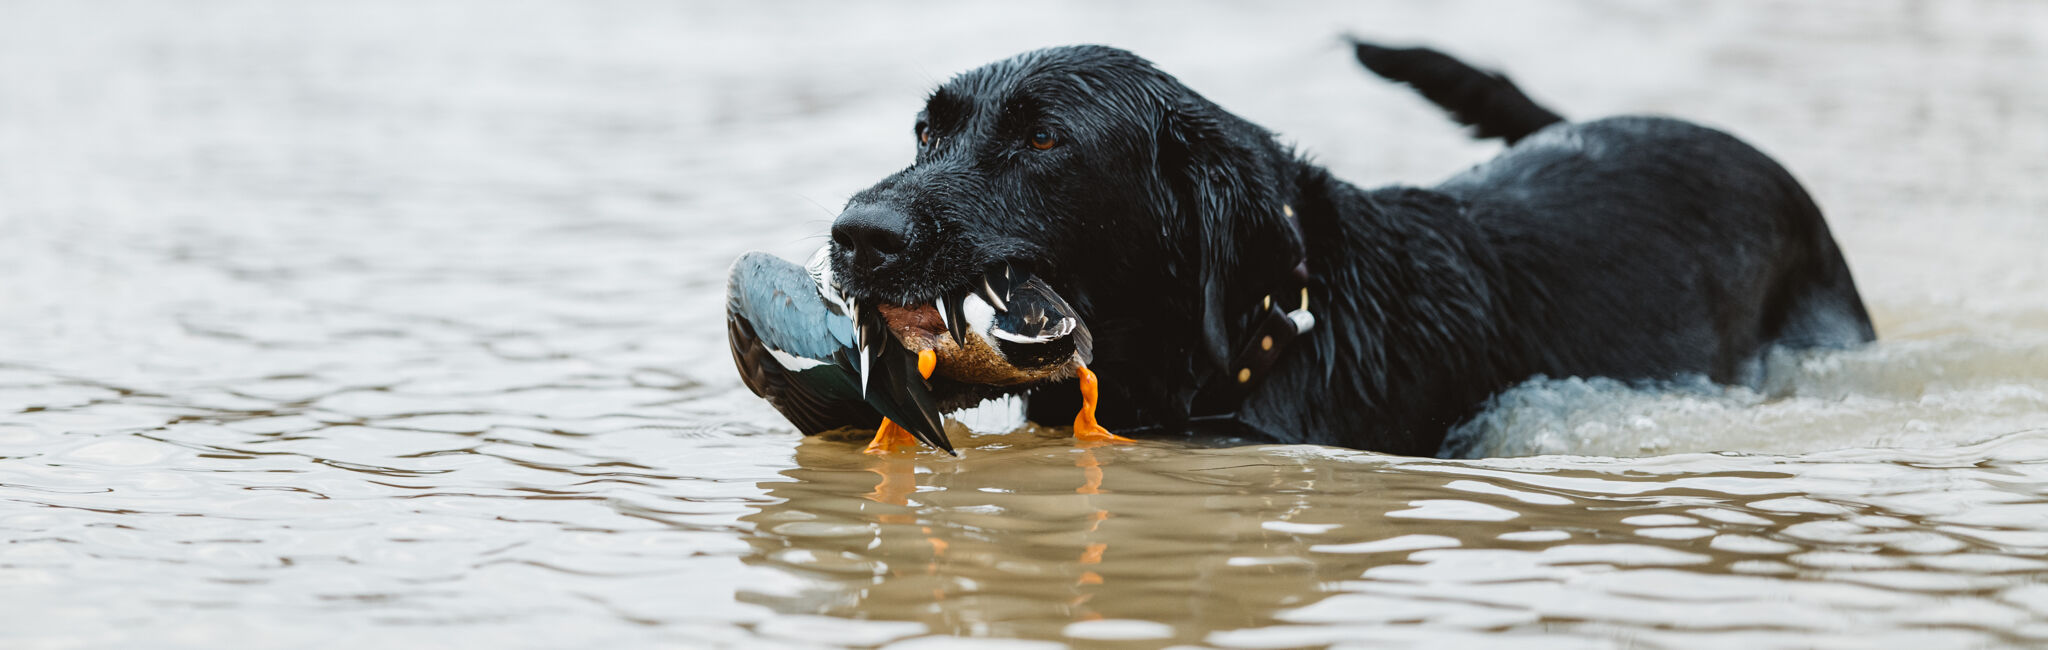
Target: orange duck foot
(890,438)
(1086,429)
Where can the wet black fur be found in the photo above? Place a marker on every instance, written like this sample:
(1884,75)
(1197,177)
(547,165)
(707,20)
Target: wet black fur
(1631,247)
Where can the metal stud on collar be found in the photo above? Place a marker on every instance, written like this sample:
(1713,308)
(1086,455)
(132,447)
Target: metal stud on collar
(1304,320)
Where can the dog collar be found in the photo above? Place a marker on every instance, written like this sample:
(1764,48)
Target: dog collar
(1271,333)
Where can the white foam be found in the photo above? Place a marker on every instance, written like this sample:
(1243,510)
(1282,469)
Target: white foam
(1913,393)
(999,415)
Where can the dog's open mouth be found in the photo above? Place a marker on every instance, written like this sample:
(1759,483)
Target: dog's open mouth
(1005,327)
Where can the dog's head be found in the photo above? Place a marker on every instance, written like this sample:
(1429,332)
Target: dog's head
(1134,197)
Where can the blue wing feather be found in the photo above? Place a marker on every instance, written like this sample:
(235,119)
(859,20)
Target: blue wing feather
(781,300)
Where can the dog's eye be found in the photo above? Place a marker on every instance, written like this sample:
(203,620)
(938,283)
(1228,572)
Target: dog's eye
(924,134)
(1043,140)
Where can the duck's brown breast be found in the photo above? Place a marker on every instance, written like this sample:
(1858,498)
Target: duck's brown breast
(920,328)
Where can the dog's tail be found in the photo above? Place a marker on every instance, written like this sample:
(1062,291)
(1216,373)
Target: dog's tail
(1473,97)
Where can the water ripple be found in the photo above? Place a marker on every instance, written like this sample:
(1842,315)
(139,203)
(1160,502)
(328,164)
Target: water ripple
(360,325)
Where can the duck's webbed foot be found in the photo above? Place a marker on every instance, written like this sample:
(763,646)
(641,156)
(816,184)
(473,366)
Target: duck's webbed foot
(1086,429)
(889,438)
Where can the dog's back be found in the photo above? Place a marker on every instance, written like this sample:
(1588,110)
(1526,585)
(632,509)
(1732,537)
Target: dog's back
(1644,247)
(1635,247)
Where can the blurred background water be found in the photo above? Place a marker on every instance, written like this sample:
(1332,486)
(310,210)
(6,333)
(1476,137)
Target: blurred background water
(340,324)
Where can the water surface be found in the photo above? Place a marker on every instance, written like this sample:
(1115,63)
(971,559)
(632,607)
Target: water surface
(377,324)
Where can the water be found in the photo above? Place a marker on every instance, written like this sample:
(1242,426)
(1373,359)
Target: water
(375,324)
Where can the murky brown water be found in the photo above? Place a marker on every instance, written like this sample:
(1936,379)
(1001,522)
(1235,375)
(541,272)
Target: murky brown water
(374,324)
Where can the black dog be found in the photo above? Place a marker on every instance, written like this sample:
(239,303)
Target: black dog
(1632,247)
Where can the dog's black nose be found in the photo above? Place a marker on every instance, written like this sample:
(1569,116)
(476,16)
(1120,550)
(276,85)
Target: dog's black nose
(874,235)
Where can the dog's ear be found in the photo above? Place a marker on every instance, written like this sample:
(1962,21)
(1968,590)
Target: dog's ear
(1185,195)
(1218,175)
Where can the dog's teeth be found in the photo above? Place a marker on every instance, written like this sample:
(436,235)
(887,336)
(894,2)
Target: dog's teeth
(1007,288)
(956,319)
(863,372)
(994,300)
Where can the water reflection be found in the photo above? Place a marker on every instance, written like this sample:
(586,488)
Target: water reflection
(1027,535)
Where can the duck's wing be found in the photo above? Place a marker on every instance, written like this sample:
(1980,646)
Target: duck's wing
(791,346)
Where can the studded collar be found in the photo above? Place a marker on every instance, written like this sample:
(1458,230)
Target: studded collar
(1274,328)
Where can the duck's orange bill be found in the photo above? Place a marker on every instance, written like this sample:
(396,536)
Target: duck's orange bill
(890,438)
(927,361)
(1086,429)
